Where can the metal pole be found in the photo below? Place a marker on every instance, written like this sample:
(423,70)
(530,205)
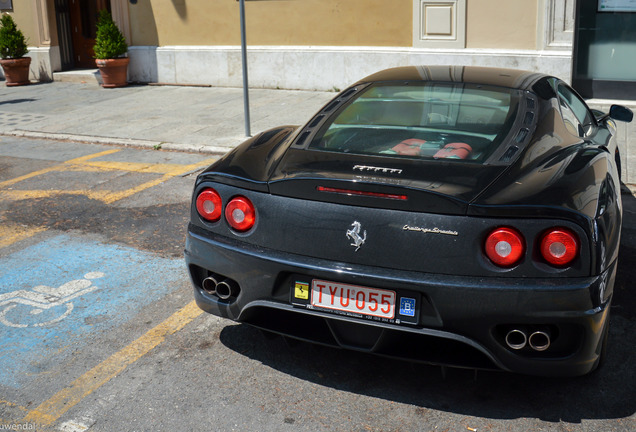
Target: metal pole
(246,96)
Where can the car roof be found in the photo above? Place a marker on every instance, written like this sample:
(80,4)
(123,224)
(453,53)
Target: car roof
(511,78)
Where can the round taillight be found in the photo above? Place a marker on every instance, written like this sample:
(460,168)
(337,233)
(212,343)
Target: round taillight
(505,246)
(210,205)
(559,246)
(240,213)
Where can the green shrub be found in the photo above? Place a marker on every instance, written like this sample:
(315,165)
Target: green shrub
(13,44)
(110,42)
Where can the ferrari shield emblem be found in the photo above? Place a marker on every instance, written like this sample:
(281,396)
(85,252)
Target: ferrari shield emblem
(354,235)
(301,290)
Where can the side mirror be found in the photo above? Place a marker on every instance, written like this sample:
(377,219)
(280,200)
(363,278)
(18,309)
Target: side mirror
(621,113)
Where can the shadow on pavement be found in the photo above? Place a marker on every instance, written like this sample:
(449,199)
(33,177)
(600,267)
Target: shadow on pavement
(17,101)
(624,301)
(136,227)
(605,394)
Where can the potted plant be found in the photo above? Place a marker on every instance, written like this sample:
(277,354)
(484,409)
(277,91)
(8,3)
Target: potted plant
(13,48)
(110,48)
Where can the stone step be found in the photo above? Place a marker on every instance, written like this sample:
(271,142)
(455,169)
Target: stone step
(84,76)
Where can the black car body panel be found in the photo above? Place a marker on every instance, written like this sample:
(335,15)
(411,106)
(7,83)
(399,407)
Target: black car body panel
(346,203)
(429,243)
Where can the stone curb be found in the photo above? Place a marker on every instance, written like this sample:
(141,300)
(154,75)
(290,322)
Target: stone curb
(124,142)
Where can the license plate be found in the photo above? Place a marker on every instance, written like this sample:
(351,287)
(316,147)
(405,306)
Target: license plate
(354,299)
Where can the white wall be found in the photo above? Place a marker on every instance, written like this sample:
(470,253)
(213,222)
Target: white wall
(317,68)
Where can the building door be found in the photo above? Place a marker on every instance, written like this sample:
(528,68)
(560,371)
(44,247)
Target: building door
(605,49)
(77,21)
(62,18)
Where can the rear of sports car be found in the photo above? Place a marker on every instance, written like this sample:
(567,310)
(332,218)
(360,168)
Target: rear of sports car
(381,226)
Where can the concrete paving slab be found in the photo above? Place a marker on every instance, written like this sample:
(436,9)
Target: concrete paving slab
(202,119)
(196,119)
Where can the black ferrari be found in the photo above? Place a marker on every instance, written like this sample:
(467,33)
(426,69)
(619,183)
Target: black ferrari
(461,216)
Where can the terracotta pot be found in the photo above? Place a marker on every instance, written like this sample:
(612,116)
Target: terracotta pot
(16,71)
(114,71)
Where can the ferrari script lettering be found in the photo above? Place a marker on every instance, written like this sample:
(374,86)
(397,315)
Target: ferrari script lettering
(367,168)
(430,230)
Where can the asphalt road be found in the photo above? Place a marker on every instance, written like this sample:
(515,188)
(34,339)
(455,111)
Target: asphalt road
(98,331)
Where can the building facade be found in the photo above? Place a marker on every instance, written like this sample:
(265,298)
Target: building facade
(329,44)
(301,44)
(326,44)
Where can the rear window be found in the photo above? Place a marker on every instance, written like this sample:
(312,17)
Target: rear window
(426,121)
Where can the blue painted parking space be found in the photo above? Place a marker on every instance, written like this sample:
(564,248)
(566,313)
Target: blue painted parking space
(58,294)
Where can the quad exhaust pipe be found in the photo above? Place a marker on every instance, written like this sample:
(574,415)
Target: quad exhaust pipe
(539,340)
(223,289)
(516,339)
(226,289)
(209,285)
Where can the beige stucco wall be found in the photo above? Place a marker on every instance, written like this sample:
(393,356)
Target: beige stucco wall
(25,14)
(273,22)
(25,18)
(510,24)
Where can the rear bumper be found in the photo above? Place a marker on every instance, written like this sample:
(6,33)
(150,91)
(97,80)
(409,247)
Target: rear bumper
(461,321)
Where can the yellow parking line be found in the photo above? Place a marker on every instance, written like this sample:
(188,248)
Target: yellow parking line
(133,167)
(13,405)
(111,197)
(12,233)
(52,409)
(17,195)
(56,167)
(107,197)
(86,158)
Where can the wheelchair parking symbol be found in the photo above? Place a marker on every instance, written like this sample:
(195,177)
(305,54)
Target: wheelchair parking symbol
(44,305)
